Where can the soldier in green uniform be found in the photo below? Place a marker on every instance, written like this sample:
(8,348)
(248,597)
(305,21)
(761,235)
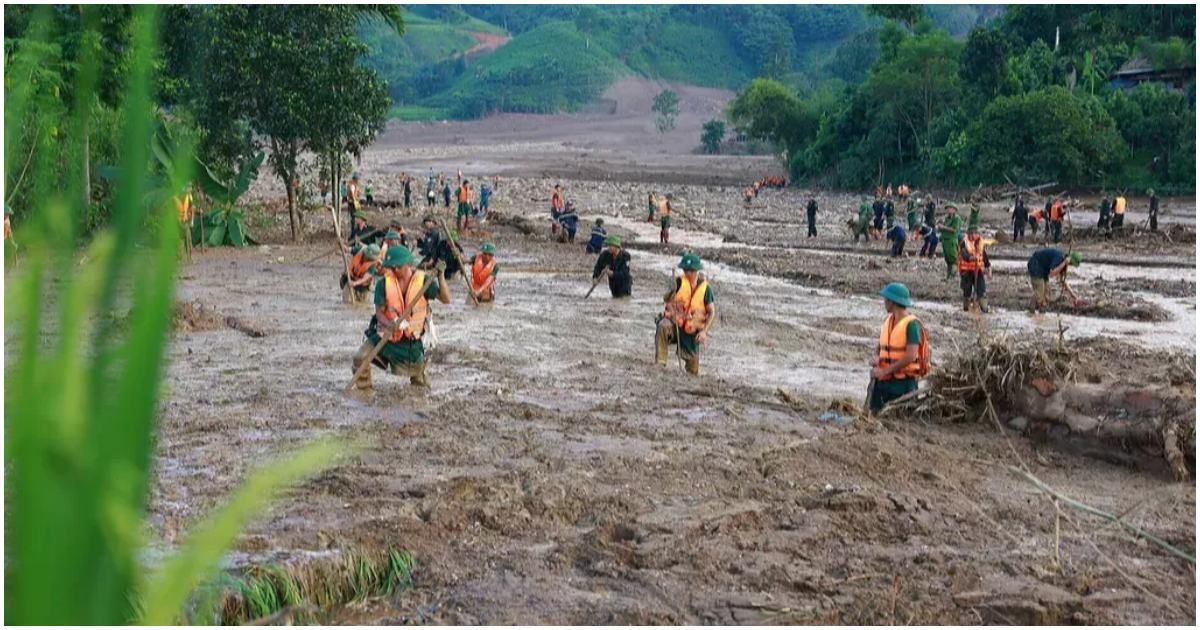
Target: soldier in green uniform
(949,231)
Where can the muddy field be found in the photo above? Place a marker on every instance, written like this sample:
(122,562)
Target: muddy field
(553,474)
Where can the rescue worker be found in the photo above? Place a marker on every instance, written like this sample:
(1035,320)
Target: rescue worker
(483,273)
(1035,218)
(446,194)
(1153,210)
(689,310)
(902,353)
(1020,218)
(596,240)
(912,219)
(407,181)
(485,201)
(973,218)
(889,213)
(614,261)
(651,207)
(364,258)
(435,248)
(1046,263)
(929,240)
(974,269)
(401,286)
(354,192)
(931,212)
(864,222)
(877,208)
(430,193)
(557,205)
(361,232)
(897,236)
(902,192)
(369,191)
(396,226)
(463,216)
(664,221)
(1118,212)
(811,215)
(183,209)
(948,232)
(569,220)
(1057,213)
(1104,222)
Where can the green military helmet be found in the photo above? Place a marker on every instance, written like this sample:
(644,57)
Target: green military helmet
(8,210)
(973,228)
(691,262)
(613,239)
(396,223)
(398,257)
(1076,259)
(488,248)
(392,235)
(898,293)
(372,252)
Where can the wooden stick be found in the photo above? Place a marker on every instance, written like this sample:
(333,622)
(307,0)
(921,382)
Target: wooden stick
(461,265)
(337,231)
(1082,507)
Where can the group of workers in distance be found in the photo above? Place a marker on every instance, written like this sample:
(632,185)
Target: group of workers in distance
(404,288)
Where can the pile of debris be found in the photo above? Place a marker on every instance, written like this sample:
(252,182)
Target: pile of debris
(1031,385)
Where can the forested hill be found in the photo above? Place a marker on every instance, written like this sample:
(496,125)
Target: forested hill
(561,57)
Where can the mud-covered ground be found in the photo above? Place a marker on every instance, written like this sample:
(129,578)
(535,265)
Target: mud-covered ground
(554,474)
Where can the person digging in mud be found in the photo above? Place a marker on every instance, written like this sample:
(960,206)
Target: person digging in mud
(974,269)
(931,213)
(689,310)
(392,239)
(912,219)
(596,239)
(1104,221)
(362,263)
(1020,218)
(889,214)
(1056,212)
(395,225)
(568,223)
(483,273)
(485,202)
(428,244)
(1153,210)
(664,220)
(897,237)
(401,285)
(463,216)
(811,216)
(902,353)
(862,228)
(1118,210)
(435,248)
(1046,263)
(929,240)
(948,232)
(361,232)
(614,261)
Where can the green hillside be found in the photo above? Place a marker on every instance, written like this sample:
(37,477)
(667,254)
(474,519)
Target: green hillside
(563,56)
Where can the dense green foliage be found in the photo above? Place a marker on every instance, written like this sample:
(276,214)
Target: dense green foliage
(1002,104)
(584,48)
(712,135)
(78,463)
(666,106)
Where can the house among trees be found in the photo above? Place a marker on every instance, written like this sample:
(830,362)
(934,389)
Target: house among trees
(1139,70)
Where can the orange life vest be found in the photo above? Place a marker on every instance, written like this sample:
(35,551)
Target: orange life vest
(183,206)
(464,194)
(397,303)
(481,272)
(556,201)
(893,345)
(1056,211)
(974,249)
(903,190)
(687,306)
(1119,205)
(359,266)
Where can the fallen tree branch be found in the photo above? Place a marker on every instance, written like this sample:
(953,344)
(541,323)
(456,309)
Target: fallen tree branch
(1083,507)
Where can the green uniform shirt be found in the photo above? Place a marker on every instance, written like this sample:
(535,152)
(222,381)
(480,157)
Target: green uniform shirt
(952,234)
(409,350)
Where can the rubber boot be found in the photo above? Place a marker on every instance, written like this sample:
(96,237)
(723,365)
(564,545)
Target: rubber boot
(967,304)
(691,363)
(982,306)
(363,381)
(661,343)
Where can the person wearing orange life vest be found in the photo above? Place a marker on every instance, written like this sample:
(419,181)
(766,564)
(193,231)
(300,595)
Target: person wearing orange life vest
(183,208)
(464,206)
(974,269)
(689,310)
(362,264)
(401,285)
(483,273)
(556,207)
(902,354)
(1056,212)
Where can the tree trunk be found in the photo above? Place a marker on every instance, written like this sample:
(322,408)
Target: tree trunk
(87,169)
(291,201)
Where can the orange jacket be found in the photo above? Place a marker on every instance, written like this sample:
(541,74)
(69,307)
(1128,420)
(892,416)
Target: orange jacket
(397,303)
